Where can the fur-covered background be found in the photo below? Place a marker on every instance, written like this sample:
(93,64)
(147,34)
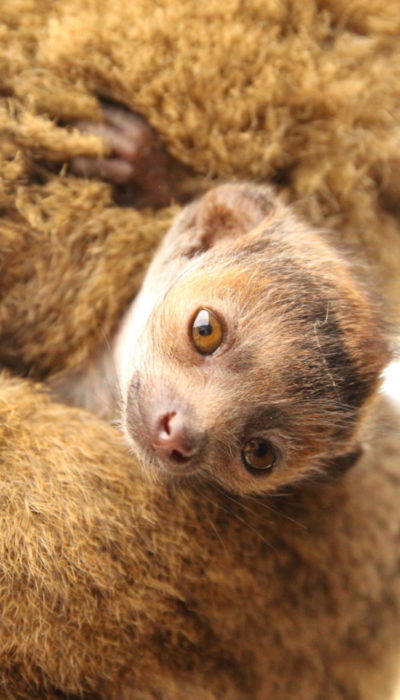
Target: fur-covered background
(304,93)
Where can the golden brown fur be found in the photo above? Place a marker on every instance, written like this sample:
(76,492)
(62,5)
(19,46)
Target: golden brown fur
(117,587)
(306,93)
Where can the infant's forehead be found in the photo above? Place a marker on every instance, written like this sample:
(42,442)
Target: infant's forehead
(221,275)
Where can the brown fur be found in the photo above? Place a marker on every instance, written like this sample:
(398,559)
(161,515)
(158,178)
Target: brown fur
(118,588)
(305,93)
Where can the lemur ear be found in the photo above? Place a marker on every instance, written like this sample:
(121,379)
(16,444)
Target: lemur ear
(232,210)
(224,212)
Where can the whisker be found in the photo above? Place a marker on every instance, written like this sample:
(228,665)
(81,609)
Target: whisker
(275,511)
(238,518)
(212,524)
(257,500)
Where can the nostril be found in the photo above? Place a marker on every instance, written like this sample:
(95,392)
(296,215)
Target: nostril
(178,457)
(166,422)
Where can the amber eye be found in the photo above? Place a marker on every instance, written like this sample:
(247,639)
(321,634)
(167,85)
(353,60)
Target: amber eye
(206,332)
(258,454)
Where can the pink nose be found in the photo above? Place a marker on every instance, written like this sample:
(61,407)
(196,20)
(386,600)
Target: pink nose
(171,438)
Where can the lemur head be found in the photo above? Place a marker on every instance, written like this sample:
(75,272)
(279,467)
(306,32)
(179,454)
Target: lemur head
(258,362)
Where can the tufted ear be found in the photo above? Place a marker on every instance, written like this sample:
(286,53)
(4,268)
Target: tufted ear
(224,212)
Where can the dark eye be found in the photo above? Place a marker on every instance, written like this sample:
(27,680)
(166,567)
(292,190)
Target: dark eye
(258,454)
(206,332)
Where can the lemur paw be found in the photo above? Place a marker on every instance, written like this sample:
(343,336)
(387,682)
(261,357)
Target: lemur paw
(144,173)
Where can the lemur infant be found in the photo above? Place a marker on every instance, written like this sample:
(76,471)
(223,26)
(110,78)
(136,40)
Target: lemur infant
(252,354)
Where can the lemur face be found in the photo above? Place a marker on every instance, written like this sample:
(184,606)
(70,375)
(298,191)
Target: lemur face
(256,363)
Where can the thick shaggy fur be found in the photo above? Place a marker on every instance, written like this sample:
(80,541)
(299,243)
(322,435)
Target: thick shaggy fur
(112,588)
(119,589)
(306,93)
